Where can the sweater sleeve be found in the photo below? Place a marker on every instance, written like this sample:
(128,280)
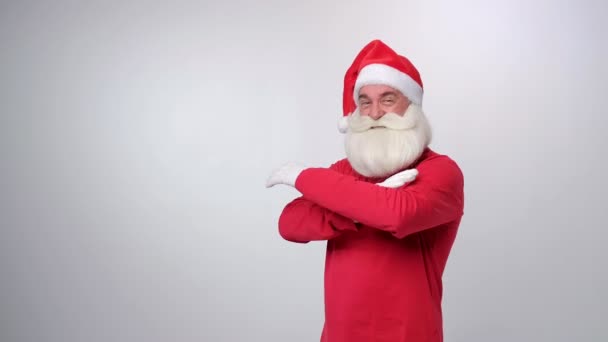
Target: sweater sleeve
(434,198)
(303,221)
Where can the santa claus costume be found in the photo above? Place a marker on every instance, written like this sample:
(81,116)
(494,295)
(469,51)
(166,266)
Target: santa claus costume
(387,246)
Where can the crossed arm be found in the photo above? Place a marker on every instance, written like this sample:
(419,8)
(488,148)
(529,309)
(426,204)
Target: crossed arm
(331,200)
(303,220)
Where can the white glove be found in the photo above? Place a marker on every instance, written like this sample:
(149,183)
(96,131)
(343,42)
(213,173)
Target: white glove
(286,174)
(399,179)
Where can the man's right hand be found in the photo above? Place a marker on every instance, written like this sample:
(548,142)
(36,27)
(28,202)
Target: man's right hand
(399,179)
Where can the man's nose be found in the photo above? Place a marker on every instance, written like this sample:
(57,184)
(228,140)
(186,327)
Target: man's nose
(376,112)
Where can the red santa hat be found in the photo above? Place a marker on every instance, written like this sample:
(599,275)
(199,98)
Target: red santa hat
(377,63)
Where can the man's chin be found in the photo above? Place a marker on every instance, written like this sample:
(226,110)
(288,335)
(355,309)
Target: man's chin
(374,160)
(382,151)
(376,168)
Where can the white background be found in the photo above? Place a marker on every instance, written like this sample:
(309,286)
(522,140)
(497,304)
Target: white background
(136,138)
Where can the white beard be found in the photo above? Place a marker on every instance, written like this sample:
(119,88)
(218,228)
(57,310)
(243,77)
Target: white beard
(381,152)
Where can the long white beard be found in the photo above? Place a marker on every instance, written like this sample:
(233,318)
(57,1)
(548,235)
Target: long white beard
(394,145)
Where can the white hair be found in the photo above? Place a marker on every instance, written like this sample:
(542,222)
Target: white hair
(380,148)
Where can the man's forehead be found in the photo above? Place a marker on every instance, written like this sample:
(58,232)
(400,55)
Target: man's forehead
(377,90)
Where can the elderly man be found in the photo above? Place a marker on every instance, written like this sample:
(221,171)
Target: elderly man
(389,211)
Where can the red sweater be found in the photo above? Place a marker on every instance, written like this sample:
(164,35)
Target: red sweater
(383,274)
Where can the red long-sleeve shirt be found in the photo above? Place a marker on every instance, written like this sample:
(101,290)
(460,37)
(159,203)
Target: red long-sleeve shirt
(382,274)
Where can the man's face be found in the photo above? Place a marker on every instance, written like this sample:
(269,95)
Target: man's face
(386,133)
(377,100)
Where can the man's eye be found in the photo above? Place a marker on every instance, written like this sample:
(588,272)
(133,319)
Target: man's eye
(388,101)
(364,103)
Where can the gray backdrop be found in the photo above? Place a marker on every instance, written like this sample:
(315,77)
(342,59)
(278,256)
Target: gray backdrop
(136,138)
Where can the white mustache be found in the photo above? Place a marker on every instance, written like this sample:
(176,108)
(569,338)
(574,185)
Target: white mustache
(361,123)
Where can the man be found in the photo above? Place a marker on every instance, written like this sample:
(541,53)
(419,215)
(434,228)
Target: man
(389,211)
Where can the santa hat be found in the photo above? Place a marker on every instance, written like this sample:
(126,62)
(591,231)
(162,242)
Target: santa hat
(379,64)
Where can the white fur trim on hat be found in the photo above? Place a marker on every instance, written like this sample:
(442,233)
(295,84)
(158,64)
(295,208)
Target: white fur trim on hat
(384,74)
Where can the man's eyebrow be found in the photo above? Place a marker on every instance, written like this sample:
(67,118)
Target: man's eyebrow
(388,93)
(363,96)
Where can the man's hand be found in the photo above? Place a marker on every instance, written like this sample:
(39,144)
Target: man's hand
(286,174)
(399,179)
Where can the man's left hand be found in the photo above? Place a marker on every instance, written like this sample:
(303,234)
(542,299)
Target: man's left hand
(286,174)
